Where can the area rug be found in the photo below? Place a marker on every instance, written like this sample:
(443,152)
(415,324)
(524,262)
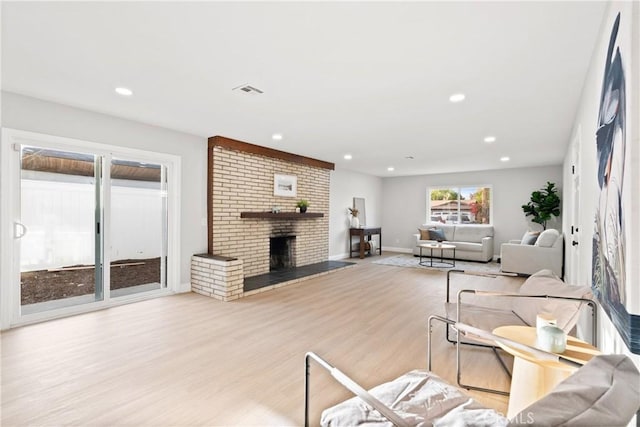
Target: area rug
(407,260)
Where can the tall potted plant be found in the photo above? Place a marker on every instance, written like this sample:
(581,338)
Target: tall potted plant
(544,204)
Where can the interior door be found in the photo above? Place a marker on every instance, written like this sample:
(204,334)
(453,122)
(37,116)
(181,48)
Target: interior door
(575,214)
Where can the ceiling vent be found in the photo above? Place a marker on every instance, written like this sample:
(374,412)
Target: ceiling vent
(248,89)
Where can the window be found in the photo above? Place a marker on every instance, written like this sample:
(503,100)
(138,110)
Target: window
(459,205)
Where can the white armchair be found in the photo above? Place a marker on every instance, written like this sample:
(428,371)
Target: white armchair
(546,253)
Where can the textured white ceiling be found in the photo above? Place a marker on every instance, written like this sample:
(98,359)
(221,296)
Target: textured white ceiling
(368,78)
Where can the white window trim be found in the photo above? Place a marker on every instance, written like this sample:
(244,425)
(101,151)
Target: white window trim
(10,208)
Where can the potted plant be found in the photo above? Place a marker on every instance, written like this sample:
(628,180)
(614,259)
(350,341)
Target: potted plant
(544,204)
(303,205)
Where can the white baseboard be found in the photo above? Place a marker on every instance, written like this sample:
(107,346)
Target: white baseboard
(384,249)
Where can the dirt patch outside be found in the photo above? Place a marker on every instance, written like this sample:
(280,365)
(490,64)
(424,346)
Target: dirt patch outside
(45,285)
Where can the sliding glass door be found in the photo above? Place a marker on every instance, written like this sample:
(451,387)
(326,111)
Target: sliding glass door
(138,228)
(59,230)
(92,228)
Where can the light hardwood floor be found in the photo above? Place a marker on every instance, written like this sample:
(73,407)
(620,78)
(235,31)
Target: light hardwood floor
(190,360)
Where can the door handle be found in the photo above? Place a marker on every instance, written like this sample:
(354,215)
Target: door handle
(574,243)
(19,230)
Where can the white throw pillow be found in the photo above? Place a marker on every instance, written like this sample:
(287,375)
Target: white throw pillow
(547,238)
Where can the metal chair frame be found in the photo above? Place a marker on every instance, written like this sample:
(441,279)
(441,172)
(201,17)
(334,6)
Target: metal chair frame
(383,409)
(351,385)
(457,342)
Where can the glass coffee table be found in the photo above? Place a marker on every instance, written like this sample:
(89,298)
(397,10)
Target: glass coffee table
(437,246)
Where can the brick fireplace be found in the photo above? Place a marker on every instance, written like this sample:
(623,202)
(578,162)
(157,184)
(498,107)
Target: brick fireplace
(241,199)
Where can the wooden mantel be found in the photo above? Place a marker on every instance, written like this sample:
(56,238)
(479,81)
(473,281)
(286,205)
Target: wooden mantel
(281,215)
(232,144)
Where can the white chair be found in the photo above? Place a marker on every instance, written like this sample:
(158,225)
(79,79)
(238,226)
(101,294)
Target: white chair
(525,259)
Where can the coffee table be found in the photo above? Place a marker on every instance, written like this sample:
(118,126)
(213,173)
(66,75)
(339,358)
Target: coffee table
(436,246)
(534,378)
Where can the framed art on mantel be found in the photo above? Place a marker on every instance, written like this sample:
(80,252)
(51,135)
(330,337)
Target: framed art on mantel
(285,185)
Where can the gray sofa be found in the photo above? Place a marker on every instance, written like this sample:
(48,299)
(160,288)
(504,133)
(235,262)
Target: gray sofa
(474,242)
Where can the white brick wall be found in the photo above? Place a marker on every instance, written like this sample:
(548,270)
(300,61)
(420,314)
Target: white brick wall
(219,279)
(244,182)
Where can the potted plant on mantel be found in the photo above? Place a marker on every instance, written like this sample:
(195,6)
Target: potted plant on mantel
(544,204)
(303,205)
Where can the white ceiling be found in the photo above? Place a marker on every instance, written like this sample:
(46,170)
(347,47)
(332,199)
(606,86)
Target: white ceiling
(367,78)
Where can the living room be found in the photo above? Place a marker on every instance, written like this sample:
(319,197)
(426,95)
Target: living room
(64,98)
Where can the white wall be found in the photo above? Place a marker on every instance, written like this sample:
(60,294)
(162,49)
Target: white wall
(405,201)
(30,114)
(584,131)
(345,185)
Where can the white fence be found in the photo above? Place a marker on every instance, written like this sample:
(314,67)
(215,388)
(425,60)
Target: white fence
(60,219)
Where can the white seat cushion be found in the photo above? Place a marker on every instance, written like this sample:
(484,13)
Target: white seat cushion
(472,233)
(469,247)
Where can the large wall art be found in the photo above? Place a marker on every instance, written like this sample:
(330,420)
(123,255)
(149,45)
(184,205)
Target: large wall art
(612,238)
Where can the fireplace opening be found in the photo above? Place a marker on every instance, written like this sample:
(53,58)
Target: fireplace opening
(281,254)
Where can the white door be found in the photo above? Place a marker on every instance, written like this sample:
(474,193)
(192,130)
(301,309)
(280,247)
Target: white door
(574,243)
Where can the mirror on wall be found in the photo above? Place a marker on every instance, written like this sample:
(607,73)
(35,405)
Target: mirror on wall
(358,203)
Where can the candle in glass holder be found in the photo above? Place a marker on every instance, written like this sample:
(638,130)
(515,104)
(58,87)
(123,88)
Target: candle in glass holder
(553,339)
(545,319)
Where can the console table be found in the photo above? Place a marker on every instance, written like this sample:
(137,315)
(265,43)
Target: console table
(362,233)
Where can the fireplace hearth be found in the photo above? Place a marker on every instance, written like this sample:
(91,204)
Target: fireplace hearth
(282,253)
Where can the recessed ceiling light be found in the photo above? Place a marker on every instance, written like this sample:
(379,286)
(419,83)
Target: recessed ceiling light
(408,157)
(489,139)
(391,168)
(276,137)
(348,157)
(504,159)
(456,97)
(124,91)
